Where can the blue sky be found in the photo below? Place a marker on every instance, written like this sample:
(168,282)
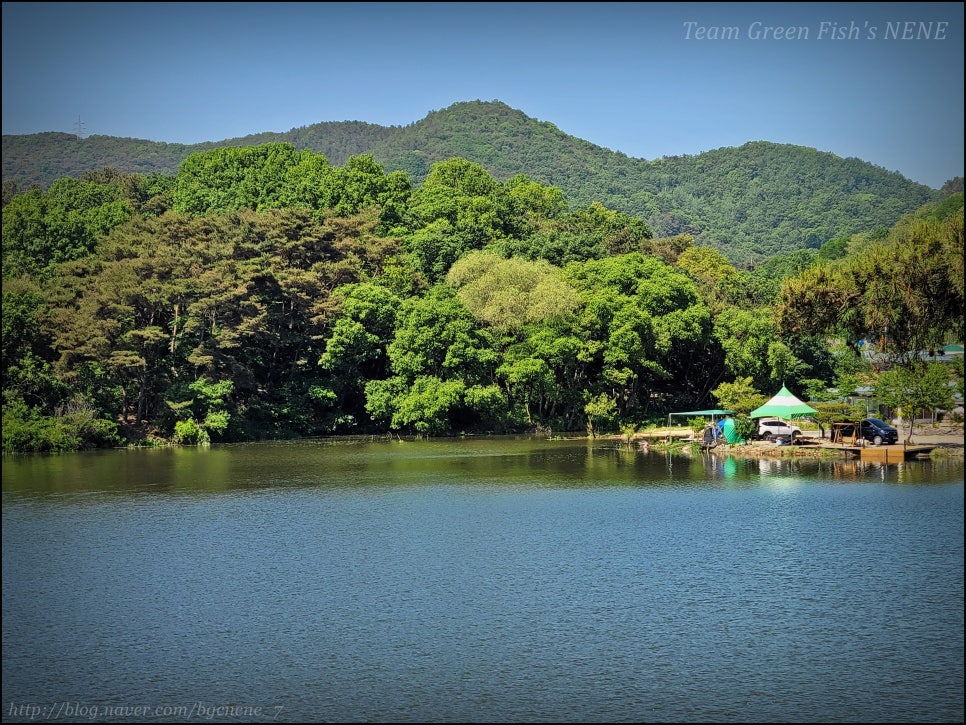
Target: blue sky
(882,82)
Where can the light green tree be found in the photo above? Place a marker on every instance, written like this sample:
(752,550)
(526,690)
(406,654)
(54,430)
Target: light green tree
(508,294)
(600,411)
(204,414)
(739,396)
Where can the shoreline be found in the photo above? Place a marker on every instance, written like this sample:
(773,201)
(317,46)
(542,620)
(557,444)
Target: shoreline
(948,443)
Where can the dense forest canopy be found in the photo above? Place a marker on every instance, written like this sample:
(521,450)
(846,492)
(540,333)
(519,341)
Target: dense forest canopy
(751,203)
(264,292)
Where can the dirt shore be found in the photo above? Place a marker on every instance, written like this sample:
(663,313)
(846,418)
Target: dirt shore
(945,437)
(949,441)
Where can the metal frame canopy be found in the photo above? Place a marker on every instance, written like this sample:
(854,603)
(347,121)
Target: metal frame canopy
(695,413)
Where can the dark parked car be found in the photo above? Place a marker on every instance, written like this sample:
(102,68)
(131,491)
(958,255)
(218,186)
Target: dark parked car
(875,431)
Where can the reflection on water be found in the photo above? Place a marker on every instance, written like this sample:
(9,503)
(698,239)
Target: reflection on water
(480,580)
(394,462)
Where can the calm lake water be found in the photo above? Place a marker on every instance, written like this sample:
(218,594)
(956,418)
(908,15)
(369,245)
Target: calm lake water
(480,580)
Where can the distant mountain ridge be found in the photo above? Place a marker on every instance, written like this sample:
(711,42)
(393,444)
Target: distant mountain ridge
(751,202)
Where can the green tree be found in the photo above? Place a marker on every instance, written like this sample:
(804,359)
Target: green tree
(242,296)
(745,336)
(905,293)
(428,405)
(592,232)
(355,353)
(531,206)
(43,229)
(362,183)
(764,282)
(74,426)
(455,211)
(739,396)
(530,383)
(204,413)
(828,412)
(645,329)
(508,294)
(720,284)
(914,389)
(600,411)
(235,178)
(437,350)
(784,364)
(309,183)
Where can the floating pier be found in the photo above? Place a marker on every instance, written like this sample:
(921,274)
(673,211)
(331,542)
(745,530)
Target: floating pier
(886,454)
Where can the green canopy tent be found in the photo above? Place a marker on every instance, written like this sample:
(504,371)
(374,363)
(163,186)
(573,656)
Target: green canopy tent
(729,432)
(783,405)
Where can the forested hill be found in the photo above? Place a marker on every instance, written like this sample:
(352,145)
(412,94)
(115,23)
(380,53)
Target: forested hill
(750,202)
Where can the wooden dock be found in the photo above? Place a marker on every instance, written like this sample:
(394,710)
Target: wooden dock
(884,454)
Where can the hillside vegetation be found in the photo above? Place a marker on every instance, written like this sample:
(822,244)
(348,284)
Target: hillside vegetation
(750,203)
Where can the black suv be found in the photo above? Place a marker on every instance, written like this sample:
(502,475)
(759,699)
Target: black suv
(875,431)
